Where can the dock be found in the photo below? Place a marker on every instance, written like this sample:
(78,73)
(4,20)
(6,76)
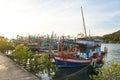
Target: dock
(9,70)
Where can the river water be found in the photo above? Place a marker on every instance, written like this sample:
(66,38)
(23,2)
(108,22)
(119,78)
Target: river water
(80,74)
(113,52)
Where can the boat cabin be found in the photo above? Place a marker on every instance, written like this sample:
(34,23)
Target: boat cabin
(82,48)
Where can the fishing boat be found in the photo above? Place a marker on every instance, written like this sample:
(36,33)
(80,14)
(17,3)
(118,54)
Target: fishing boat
(79,52)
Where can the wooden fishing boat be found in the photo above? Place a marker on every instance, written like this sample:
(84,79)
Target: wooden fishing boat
(78,52)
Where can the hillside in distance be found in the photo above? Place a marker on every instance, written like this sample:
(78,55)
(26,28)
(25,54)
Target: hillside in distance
(110,38)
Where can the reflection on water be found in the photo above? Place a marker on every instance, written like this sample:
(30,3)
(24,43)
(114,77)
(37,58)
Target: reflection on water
(78,73)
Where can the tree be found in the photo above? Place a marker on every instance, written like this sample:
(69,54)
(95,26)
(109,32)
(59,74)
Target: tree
(113,38)
(5,44)
(42,64)
(21,55)
(33,62)
(109,71)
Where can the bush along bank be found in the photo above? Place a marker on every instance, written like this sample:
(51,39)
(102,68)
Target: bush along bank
(33,63)
(110,71)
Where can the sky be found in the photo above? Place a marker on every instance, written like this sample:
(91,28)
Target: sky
(63,17)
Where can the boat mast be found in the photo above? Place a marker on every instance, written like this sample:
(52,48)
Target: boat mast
(89,34)
(83,22)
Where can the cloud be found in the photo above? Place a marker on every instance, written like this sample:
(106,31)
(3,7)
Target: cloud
(101,16)
(60,16)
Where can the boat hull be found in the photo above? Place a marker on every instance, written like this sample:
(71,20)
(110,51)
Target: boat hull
(66,62)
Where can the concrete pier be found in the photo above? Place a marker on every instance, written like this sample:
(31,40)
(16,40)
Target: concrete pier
(10,71)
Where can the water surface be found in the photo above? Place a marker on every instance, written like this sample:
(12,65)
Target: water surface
(113,51)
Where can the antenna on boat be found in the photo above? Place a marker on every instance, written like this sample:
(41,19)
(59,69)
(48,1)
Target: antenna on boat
(83,22)
(89,34)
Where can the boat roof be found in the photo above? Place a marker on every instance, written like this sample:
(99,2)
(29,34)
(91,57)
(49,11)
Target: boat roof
(83,42)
